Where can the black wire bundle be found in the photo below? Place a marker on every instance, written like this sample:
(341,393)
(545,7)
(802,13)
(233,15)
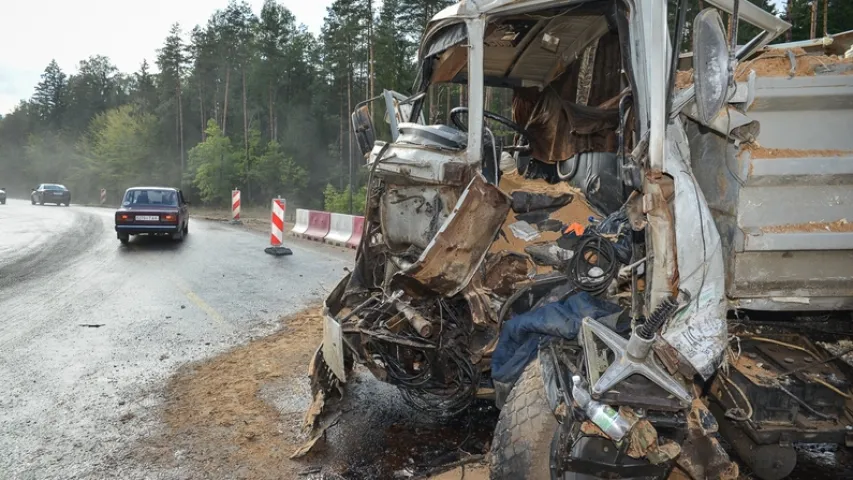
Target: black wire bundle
(445,380)
(593,251)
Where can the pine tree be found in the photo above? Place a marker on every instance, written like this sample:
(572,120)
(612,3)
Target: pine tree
(50,95)
(172,60)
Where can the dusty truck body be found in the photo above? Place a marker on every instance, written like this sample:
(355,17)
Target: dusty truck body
(650,260)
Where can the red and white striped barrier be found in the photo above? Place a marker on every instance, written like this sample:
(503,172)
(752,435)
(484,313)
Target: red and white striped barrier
(103,196)
(277,229)
(277,222)
(318,225)
(235,205)
(301,225)
(332,228)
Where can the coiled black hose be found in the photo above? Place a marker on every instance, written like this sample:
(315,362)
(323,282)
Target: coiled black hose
(656,320)
(601,249)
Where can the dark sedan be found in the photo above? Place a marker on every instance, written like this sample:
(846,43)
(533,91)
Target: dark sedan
(152,211)
(51,193)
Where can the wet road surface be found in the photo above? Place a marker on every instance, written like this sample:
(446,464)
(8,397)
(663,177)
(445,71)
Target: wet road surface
(89,328)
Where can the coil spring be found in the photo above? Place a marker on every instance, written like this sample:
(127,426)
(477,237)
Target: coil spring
(656,320)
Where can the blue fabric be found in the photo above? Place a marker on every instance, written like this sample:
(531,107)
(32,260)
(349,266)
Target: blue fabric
(520,337)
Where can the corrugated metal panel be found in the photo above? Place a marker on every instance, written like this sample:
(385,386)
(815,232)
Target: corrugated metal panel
(794,233)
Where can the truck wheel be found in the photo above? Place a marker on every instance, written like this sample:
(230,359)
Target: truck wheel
(526,426)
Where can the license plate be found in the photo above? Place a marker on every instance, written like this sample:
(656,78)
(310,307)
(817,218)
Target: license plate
(147,218)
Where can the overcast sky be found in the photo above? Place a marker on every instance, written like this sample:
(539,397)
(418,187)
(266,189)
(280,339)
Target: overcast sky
(32,32)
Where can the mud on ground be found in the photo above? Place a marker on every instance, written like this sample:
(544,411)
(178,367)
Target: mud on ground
(239,415)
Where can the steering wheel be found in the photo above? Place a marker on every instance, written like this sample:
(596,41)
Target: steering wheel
(458,111)
(520,151)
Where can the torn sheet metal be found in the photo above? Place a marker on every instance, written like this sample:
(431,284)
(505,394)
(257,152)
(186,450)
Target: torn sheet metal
(664,270)
(457,250)
(504,270)
(698,331)
(728,121)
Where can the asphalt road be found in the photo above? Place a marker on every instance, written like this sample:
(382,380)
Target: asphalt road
(89,329)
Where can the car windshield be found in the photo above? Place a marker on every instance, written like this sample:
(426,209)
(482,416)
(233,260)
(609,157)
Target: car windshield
(50,186)
(151,197)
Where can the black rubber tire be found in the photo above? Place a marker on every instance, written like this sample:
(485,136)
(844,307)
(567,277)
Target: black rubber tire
(178,237)
(521,447)
(32,200)
(124,239)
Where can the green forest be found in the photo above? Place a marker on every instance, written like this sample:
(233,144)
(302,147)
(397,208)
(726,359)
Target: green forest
(249,100)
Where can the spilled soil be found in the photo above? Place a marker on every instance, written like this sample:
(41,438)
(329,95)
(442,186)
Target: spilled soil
(777,63)
(239,415)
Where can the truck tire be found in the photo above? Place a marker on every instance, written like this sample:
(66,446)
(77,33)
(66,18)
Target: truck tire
(521,447)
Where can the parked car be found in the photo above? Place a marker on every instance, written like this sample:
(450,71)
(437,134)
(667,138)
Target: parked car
(152,211)
(51,193)
(2,196)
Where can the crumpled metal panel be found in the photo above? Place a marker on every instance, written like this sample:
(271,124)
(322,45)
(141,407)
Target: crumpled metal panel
(413,215)
(698,331)
(457,250)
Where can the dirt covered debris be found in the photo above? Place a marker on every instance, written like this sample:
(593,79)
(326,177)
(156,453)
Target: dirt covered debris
(239,415)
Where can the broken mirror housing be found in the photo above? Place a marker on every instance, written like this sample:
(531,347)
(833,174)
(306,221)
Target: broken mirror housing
(711,64)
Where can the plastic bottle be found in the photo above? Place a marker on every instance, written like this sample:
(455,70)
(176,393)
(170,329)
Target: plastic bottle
(607,419)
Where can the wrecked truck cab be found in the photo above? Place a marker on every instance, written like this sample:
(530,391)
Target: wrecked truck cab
(565,258)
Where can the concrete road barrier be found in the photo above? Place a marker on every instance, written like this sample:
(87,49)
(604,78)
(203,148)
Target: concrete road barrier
(318,225)
(357,229)
(340,230)
(301,225)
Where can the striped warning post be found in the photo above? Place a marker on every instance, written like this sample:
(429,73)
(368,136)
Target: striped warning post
(277,221)
(235,206)
(103,196)
(277,229)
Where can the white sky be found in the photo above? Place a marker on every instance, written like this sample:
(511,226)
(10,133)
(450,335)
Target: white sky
(32,32)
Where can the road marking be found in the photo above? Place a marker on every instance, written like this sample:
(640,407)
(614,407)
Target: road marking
(197,301)
(204,306)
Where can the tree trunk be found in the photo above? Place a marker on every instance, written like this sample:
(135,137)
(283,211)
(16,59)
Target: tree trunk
(181,126)
(246,132)
(431,117)
(272,121)
(825,18)
(370,53)
(788,34)
(349,144)
(225,106)
(447,103)
(342,129)
(201,110)
(813,30)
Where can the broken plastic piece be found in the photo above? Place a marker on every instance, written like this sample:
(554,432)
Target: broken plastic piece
(524,231)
